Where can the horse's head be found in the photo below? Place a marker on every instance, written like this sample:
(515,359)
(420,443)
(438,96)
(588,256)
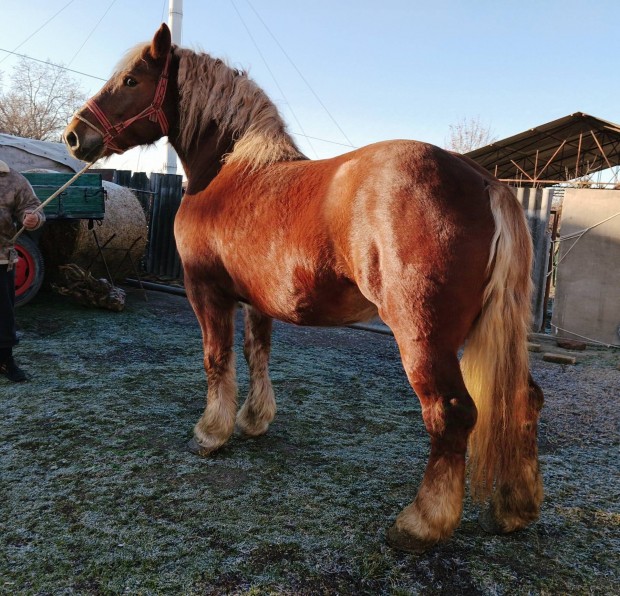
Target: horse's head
(131,109)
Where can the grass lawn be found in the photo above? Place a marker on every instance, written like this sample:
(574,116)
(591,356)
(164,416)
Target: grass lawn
(99,495)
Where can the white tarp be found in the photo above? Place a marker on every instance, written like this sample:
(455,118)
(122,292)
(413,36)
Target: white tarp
(26,154)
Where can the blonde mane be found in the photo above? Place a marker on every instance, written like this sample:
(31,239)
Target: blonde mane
(212,92)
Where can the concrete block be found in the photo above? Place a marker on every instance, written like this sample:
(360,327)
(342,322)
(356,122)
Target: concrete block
(559,358)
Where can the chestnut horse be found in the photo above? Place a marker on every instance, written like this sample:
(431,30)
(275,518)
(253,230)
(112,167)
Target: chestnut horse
(426,239)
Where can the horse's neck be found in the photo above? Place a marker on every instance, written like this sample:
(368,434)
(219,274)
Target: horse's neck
(241,123)
(205,160)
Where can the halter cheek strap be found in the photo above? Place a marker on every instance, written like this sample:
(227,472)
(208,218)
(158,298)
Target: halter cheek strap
(153,112)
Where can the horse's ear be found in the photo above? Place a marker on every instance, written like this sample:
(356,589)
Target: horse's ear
(162,40)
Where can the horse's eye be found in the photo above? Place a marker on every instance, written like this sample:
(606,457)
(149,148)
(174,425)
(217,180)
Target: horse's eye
(129,82)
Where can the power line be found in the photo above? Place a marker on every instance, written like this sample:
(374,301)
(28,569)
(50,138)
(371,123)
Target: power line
(324,140)
(39,29)
(92,31)
(274,78)
(300,74)
(299,134)
(84,74)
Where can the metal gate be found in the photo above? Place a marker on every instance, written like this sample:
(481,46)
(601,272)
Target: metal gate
(160,197)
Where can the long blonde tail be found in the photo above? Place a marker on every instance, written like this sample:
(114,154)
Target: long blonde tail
(495,360)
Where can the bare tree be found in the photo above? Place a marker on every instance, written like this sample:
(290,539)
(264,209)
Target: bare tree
(469,134)
(40,101)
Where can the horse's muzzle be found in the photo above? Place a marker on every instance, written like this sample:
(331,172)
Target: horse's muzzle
(83,143)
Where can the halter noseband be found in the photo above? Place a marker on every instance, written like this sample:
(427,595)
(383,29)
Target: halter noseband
(153,112)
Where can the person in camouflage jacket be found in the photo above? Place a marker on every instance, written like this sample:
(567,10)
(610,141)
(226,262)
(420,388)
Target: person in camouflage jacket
(17,205)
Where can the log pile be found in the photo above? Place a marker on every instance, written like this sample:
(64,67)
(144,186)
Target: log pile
(82,287)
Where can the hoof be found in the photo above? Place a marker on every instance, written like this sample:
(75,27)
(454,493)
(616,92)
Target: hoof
(512,523)
(488,523)
(250,425)
(248,432)
(407,543)
(196,448)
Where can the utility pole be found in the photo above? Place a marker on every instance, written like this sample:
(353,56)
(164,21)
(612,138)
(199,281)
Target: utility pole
(175,23)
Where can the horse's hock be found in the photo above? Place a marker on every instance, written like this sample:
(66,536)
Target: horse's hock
(122,235)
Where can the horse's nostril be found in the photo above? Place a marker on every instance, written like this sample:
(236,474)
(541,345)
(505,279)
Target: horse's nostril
(72,140)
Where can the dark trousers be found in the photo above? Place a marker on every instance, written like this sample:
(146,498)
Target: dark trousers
(8,338)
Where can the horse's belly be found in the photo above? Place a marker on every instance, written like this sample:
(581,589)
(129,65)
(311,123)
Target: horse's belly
(334,310)
(338,302)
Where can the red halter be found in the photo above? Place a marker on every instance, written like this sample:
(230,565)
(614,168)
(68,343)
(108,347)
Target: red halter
(154,113)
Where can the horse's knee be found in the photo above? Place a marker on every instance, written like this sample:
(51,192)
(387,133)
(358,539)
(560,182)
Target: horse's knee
(447,407)
(218,364)
(460,411)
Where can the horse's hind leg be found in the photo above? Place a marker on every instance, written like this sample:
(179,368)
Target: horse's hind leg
(449,415)
(259,408)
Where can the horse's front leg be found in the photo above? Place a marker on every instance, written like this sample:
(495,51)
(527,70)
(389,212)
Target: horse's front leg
(259,408)
(218,419)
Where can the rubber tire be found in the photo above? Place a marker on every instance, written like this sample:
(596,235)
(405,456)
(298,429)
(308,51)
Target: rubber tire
(29,270)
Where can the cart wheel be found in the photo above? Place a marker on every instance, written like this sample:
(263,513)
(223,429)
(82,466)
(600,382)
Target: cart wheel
(29,270)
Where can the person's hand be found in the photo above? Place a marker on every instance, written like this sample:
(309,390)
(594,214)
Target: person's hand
(31,220)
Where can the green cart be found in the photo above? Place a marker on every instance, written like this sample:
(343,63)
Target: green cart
(84,199)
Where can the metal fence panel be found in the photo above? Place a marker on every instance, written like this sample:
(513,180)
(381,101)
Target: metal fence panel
(162,258)
(536,203)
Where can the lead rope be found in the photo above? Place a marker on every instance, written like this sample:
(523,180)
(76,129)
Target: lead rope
(48,200)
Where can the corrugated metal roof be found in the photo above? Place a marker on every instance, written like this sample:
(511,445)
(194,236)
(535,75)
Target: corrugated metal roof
(560,150)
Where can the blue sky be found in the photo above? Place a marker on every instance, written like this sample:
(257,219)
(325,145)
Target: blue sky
(384,69)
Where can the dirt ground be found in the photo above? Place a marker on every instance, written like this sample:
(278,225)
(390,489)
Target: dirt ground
(98,494)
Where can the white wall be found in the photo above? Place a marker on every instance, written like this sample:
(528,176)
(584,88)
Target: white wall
(587,299)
